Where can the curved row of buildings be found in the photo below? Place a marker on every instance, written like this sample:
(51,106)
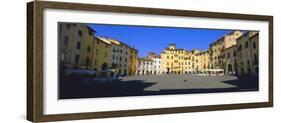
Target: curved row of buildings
(234,53)
(80,48)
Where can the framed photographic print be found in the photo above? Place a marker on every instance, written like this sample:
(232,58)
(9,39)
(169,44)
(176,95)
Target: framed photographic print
(96,61)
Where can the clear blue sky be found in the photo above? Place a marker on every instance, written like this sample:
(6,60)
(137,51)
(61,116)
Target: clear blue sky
(155,39)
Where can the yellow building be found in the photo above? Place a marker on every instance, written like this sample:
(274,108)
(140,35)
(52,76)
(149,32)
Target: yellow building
(194,59)
(75,45)
(229,57)
(242,58)
(202,61)
(123,58)
(247,53)
(101,54)
(254,42)
(133,61)
(87,47)
(216,48)
(173,60)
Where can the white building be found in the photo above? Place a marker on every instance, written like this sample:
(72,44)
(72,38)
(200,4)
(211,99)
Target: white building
(145,66)
(156,65)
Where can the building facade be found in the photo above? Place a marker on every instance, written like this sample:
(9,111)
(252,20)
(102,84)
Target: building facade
(145,66)
(75,45)
(216,48)
(123,58)
(156,59)
(236,53)
(247,54)
(133,61)
(101,55)
(230,63)
(173,60)
(202,60)
(242,58)
(254,41)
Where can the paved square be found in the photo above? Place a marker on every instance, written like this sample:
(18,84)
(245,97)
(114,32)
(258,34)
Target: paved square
(145,85)
(164,82)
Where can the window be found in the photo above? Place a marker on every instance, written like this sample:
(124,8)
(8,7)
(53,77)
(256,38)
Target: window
(234,53)
(248,62)
(228,55)
(167,57)
(240,47)
(87,61)
(97,51)
(256,59)
(254,45)
(80,33)
(246,44)
(96,61)
(78,46)
(76,59)
(65,41)
(89,49)
(90,31)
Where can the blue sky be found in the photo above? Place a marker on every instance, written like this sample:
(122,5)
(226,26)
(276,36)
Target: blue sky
(155,39)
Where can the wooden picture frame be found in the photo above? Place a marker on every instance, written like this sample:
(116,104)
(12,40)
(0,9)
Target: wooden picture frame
(35,60)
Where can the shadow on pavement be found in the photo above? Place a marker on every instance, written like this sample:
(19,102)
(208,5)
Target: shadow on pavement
(76,89)
(103,89)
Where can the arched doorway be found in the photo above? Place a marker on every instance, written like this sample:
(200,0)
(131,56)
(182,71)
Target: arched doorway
(257,70)
(125,72)
(104,66)
(168,70)
(249,71)
(242,71)
(229,68)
